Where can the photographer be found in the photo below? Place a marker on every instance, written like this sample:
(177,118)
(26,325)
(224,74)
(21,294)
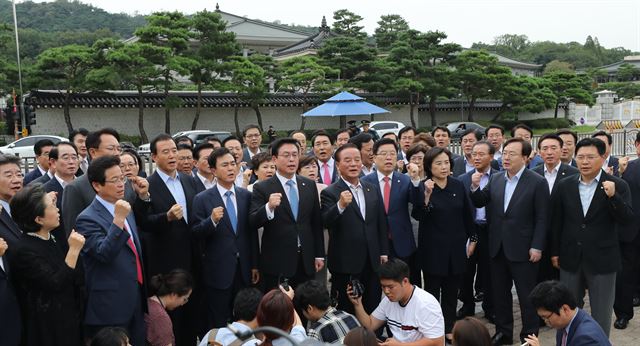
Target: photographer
(413,315)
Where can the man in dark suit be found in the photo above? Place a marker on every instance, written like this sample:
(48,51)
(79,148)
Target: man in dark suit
(590,213)
(525,132)
(610,164)
(495,136)
(235,147)
(482,154)
(353,211)
(79,194)
(166,235)
(405,139)
(79,138)
(220,218)
(204,177)
(10,183)
(397,191)
(364,143)
(288,207)
(626,279)
(41,149)
(323,151)
(569,140)
(517,206)
(112,254)
(442,136)
(64,160)
(557,306)
(10,326)
(252,137)
(464,163)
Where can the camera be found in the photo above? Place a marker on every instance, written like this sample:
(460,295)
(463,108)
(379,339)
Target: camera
(284,282)
(357,288)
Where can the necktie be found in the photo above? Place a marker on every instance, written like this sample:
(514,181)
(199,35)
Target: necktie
(387,194)
(135,253)
(564,337)
(293,198)
(84,165)
(326,176)
(231,210)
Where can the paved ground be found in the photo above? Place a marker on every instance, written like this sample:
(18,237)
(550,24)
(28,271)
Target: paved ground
(627,337)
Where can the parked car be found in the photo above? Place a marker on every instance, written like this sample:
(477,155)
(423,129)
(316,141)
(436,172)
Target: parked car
(383,127)
(197,136)
(23,147)
(458,128)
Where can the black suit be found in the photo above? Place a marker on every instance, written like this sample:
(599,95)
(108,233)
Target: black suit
(512,233)
(10,326)
(168,244)
(459,166)
(355,243)
(41,180)
(31,176)
(615,164)
(59,232)
(9,231)
(588,246)
(280,255)
(546,270)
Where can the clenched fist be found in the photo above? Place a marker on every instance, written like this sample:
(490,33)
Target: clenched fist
(345,199)
(623,162)
(216,214)
(175,213)
(140,186)
(76,241)
(3,247)
(609,188)
(274,201)
(122,209)
(475,180)
(413,170)
(400,165)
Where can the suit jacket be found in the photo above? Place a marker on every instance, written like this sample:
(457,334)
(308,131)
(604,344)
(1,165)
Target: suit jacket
(613,162)
(565,171)
(9,231)
(79,194)
(10,326)
(198,185)
(591,241)
(351,237)
(584,330)
(59,232)
(525,222)
(398,220)
(224,248)
(41,180)
(466,181)
(110,267)
(459,166)
(168,245)
(280,236)
(537,160)
(246,157)
(632,176)
(31,176)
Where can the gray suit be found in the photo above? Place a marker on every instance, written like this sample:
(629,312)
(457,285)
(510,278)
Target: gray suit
(78,195)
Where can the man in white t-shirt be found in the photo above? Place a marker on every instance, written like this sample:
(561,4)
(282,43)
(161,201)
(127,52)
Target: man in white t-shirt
(413,315)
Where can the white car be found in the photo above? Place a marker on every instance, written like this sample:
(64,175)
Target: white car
(383,127)
(23,147)
(197,136)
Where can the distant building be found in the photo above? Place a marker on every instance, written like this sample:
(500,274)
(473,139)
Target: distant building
(610,72)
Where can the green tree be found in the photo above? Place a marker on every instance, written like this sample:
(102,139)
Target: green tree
(569,87)
(305,75)
(65,68)
(479,75)
(390,28)
(627,72)
(524,94)
(627,90)
(170,30)
(556,66)
(248,80)
(215,46)
(346,24)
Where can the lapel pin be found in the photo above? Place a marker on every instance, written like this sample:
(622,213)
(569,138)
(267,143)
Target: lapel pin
(398,180)
(454,195)
(303,184)
(367,189)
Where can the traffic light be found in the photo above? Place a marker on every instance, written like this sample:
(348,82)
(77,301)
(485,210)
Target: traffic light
(30,115)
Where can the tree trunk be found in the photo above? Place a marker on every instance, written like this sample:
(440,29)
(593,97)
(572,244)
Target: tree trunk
(555,113)
(343,122)
(411,110)
(303,121)
(167,111)
(472,102)
(259,116)
(503,109)
(196,117)
(432,111)
(143,134)
(235,120)
(67,114)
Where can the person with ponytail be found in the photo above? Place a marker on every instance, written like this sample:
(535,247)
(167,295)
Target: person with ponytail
(276,310)
(168,292)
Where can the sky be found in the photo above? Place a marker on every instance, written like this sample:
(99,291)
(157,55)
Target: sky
(616,23)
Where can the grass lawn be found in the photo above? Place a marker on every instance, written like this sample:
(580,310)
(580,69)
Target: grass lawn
(578,129)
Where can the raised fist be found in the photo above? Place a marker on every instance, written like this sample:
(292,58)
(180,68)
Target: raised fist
(175,213)
(75,240)
(274,200)
(345,199)
(216,214)
(122,209)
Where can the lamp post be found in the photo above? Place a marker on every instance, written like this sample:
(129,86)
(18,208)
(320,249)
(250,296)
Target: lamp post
(15,29)
(461,107)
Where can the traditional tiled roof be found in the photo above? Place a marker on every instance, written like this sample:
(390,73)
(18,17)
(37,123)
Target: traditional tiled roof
(311,42)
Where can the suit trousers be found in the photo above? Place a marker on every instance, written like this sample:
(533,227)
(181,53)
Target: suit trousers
(445,289)
(220,301)
(135,327)
(412,261)
(504,274)
(602,288)
(272,281)
(478,269)
(626,280)
(372,290)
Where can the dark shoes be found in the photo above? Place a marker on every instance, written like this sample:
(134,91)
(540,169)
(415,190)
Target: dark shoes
(621,323)
(479,297)
(501,339)
(464,312)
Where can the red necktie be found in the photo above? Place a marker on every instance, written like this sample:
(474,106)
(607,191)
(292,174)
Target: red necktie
(387,194)
(564,337)
(326,176)
(135,253)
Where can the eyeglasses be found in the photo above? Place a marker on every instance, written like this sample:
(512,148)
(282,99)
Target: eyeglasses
(116,181)
(547,317)
(128,165)
(185,158)
(11,175)
(387,154)
(69,158)
(287,156)
(511,154)
(586,157)
(253,136)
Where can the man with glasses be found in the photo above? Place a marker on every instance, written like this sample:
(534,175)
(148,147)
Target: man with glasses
(463,164)
(205,178)
(10,183)
(41,149)
(79,194)
(288,207)
(590,214)
(185,160)
(252,139)
(495,136)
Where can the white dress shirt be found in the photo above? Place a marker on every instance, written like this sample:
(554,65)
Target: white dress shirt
(206,182)
(223,192)
(358,198)
(552,175)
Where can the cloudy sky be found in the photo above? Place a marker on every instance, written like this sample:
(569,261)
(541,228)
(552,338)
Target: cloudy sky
(616,23)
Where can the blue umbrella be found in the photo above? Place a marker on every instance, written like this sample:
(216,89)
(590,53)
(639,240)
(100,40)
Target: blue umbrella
(344,104)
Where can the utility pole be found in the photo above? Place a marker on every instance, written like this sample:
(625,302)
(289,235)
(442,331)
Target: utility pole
(15,29)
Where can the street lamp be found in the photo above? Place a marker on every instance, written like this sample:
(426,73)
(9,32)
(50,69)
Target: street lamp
(461,107)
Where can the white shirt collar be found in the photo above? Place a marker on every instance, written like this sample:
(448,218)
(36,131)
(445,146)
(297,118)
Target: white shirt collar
(555,169)
(223,191)
(359,185)
(42,171)
(283,180)
(518,175)
(61,181)
(381,176)
(164,176)
(596,180)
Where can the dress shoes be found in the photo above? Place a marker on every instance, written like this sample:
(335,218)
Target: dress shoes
(501,339)
(465,311)
(621,323)
(479,297)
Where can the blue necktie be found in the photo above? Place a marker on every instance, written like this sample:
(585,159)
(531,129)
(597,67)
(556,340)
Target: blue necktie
(293,198)
(231,210)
